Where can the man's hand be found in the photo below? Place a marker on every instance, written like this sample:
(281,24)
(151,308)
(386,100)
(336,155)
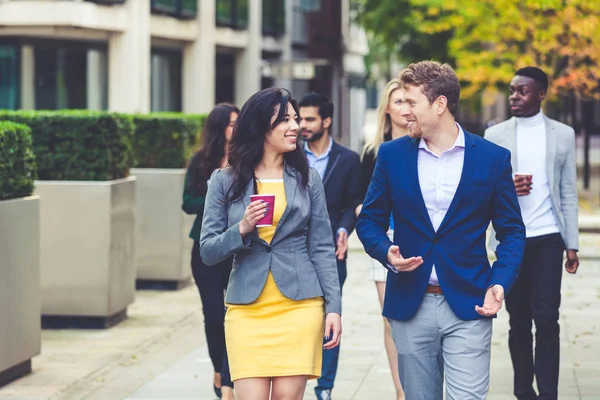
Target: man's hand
(400,263)
(572,263)
(492,302)
(333,327)
(522,185)
(342,244)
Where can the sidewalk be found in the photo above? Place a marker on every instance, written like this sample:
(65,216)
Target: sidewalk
(160,351)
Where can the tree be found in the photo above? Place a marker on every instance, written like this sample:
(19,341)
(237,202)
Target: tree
(393,35)
(487,40)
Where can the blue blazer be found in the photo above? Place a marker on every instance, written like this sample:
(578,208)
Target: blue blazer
(485,193)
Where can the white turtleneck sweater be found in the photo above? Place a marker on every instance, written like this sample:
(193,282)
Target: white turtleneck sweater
(536,208)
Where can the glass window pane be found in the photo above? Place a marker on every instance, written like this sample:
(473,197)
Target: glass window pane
(224,12)
(45,79)
(189,8)
(60,78)
(241,21)
(164,6)
(268,17)
(9,77)
(165,81)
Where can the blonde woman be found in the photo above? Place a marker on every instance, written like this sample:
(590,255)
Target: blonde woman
(390,125)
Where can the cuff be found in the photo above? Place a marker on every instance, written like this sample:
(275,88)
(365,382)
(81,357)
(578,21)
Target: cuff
(342,230)
(391,268)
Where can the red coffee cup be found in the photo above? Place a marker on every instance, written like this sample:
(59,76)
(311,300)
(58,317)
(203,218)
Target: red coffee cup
(267,220)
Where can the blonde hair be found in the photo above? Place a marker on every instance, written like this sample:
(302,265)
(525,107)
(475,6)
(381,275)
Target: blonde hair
(384,122)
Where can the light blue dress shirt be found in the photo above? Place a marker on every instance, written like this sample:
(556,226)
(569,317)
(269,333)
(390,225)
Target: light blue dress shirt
(320,164)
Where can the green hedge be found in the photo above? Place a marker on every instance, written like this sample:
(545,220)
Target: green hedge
(79,145)
(17,161)
(165,140)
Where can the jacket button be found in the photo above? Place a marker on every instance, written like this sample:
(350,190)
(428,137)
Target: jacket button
(268,249)
(435,241)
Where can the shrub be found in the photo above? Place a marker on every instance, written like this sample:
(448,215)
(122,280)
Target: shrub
(165,140)
(17,161)
(78,145)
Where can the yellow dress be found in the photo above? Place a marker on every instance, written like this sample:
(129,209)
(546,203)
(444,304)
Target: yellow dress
(274,336)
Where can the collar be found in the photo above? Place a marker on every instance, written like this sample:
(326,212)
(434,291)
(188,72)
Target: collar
(532,121)
(459,142)
(326,154)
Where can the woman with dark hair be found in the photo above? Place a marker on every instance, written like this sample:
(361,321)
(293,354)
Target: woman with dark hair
(211,281)
(283,293)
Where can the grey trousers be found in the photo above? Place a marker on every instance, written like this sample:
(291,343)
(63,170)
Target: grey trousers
(434,343)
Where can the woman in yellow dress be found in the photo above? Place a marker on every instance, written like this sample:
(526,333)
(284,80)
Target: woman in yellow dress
(283,294)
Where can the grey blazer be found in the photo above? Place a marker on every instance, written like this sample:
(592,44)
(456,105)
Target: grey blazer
(301,255)
(561,168)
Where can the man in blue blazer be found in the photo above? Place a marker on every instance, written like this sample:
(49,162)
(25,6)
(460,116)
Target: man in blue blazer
(443,186)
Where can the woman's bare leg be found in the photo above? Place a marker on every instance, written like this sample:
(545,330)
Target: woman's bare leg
(252,388)
(390,347)
(289,387)
(227,393)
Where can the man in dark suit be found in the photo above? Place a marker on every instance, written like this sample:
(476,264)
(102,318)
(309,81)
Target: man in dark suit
(339,168)
(443,186)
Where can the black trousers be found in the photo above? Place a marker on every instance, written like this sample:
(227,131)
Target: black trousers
(536,297)
(212,283)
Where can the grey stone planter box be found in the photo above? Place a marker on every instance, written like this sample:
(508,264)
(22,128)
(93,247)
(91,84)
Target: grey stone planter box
(87,250)
(20,332)
(162,256)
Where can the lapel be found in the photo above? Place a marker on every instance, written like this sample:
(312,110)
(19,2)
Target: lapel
(510,140)
(465,178)
(290,183)
(413,181)
(551,143)
(334,158)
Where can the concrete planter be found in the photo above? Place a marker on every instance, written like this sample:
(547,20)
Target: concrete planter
(162,256)
(20,332)
(87,250)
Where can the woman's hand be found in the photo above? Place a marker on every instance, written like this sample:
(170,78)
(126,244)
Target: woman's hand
(254,212)
(333,327)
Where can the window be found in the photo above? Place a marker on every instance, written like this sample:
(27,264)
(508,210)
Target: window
(165,80)
(273,17)
(70,76)
(232,13)
(9,77)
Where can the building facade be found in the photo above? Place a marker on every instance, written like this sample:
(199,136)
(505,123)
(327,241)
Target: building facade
(179,55)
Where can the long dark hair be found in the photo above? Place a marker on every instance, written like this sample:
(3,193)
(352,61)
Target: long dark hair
(247,146)
(213,149)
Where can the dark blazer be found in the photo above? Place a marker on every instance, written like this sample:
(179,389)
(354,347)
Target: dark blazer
(485,193)
(341,188)
(301,254)
(367,166)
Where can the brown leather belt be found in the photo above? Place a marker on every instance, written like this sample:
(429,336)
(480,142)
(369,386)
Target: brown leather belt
(434,289)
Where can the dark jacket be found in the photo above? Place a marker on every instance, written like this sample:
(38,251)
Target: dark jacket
(341,188)
(367,166)
(194,195)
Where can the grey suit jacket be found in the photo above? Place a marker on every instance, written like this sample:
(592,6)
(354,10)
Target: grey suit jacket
(561,169)
(301,255)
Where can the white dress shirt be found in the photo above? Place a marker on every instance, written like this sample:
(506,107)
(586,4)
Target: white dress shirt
(439,177)
(536,207)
